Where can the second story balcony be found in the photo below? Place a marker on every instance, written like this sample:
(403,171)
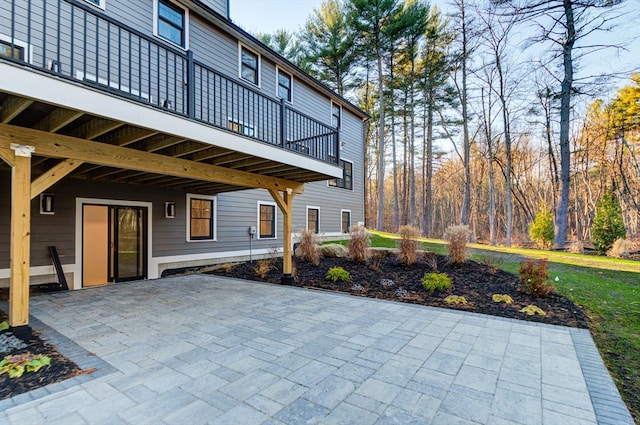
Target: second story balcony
(71,40)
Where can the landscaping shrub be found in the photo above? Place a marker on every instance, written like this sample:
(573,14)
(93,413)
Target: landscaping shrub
(534,275)
(607,224)
(359,244)
(455,299)
(541,230)
(408,244)
(337,274)
(309,247)
(436,281)
(622,248)
(457,236)
(532,310)
(263,267)
(431,260)
(502,298)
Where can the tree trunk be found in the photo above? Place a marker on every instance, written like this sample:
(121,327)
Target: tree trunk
(466,199)
(381,160)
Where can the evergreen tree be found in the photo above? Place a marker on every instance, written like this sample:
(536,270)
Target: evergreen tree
(541,229)
(607,224)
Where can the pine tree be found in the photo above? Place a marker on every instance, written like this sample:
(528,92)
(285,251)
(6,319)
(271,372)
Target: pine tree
(541,230)
(608,224)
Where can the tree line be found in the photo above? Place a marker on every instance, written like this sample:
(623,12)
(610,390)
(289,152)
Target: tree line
(475,113)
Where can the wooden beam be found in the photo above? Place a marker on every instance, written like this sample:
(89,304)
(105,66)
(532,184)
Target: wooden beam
(59,146)
(20,241)
(53,176)
(7,156)
(285,203)
(95,128)
(12,107)
(127,136)
(57,119)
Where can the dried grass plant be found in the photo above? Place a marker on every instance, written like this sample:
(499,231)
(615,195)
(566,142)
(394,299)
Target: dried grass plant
(576,247)
(408,244)
(622,248)
(431,260)
(457,236)
(359,244)
(309,247)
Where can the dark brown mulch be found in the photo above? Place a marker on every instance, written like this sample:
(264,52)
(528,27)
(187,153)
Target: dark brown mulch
(475,281)
(61,368)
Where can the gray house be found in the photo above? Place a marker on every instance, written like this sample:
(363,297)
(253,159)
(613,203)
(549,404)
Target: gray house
(142,136)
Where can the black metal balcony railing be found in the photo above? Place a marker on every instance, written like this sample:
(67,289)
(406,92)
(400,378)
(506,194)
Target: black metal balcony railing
(72,40)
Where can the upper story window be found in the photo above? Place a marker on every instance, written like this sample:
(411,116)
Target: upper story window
(9,50)
(249,66)
(171,22)
(99,3)
(346,182)
(336,115)
(284,85)
(201,224)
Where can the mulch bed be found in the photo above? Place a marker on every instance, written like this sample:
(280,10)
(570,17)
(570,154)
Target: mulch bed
(61,368)
(477,282)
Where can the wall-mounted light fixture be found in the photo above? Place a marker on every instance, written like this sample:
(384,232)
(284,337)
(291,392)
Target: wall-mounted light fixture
(169,210)
(47,203)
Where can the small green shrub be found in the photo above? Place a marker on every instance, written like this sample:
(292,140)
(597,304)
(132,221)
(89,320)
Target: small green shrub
(15,366)
(532,310)
(408,244)
(436,281)
(455,299)
(4,325)
(608,224)
(337,274)
(541,230)
(502,298)
(534,275)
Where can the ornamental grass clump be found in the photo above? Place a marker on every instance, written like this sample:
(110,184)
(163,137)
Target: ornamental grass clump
(457,236)
(338,274)
(534,276)
(309,247)
(359,244)
(436,281)
(408,244)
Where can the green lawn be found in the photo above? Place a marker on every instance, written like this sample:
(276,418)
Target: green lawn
(608,289)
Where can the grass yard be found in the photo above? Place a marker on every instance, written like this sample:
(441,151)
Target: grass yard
(608,289)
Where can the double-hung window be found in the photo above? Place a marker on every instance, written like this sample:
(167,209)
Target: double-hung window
(336,117)
(171,22)
(267,220)
(346,221)
(313,219)
(249,66)
(284,85)
(201,218)
(346,182)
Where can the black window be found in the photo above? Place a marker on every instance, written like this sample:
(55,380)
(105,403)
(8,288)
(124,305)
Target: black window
(346,221)
(335,115)
(201,219)
(11,51)
(267,221)
(346,182)
(284,86)
(313,221)
(249,66)
(171,22)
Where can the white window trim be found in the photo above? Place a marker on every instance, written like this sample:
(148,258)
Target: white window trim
(275,220)
(352,173)
(306,218)
(243,46)
(350,217)
(101,4)
(331,113)
(28,51)
(186,25)
(278,70)
(215,217)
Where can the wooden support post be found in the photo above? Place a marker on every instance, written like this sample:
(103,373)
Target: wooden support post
(20,243)
(285,203)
